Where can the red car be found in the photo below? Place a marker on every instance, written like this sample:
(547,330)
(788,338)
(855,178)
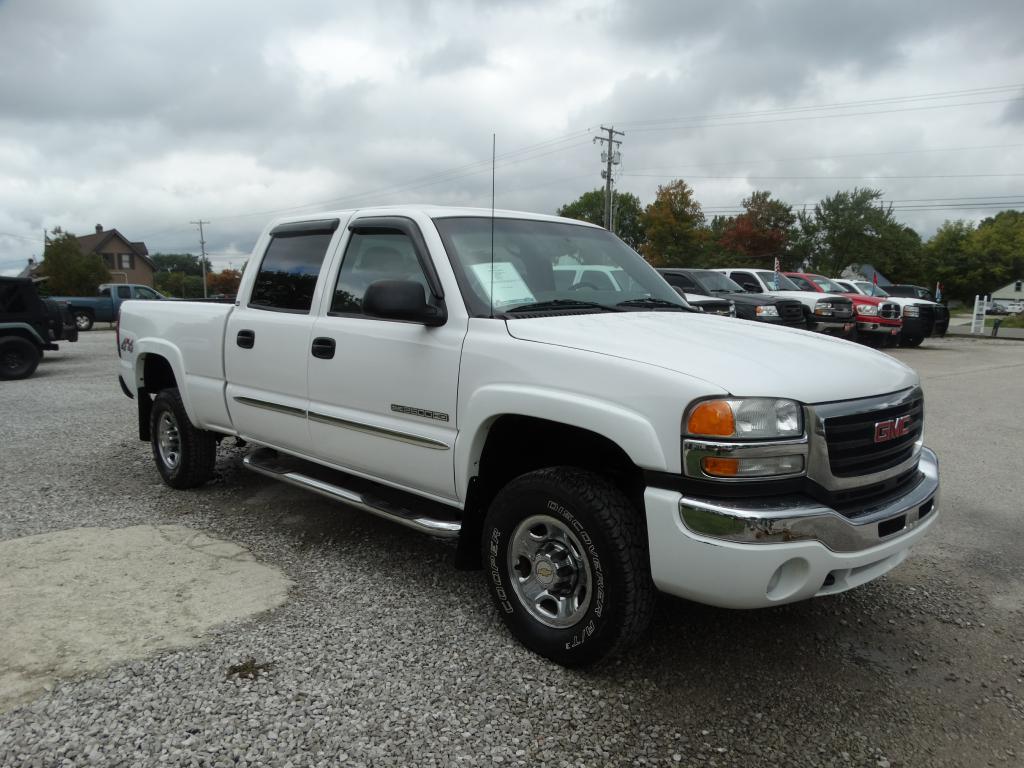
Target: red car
(877,318)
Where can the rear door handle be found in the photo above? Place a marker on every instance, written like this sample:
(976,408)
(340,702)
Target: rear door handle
(323,348)
(246,339)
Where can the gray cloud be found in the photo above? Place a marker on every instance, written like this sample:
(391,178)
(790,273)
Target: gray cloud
(147,116)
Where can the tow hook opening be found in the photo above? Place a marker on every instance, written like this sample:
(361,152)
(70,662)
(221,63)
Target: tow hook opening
(891,526)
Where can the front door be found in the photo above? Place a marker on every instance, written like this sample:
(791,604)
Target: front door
(382,393)
(266,348)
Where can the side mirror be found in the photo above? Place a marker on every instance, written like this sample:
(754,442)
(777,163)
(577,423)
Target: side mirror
(402,300)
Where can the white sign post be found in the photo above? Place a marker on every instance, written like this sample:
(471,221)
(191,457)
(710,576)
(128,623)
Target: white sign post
(978,317)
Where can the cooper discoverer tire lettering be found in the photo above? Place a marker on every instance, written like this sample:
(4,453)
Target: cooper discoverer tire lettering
(567,565)
(184,456)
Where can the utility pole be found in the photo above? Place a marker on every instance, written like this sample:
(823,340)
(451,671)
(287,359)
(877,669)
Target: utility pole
(202,248)
(611,157)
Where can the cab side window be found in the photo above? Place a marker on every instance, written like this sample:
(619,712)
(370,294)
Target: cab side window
(802,283)
(124,292)
(682,281)
(370,257)
(747,280)
(145,293)
(291,265)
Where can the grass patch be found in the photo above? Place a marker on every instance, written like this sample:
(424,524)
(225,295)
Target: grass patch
(1009,321)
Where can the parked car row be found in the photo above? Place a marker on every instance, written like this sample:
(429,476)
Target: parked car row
(854,310)
(105,305)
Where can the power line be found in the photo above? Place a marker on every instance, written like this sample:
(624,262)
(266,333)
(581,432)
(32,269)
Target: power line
(988,90)
(611,158)
(844,178)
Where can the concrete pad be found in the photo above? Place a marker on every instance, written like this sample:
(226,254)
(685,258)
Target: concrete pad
(78,601)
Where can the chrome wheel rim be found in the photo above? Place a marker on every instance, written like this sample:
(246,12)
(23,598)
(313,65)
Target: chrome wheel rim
(81,322)
(549,571)
(168,440)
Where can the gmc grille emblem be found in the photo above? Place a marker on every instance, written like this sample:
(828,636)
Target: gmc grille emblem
(892,428)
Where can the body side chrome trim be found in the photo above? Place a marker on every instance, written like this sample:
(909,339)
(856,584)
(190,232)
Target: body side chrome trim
(391,434)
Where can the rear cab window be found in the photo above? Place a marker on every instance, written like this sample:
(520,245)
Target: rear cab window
(291,265)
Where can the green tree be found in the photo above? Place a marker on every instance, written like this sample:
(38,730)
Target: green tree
(627,220)
(674,227)
(850,228)
(69,271)
(763,231)
(178,285)
(188,263)
(946,260)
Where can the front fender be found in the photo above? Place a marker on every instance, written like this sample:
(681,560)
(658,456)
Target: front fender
(627,428)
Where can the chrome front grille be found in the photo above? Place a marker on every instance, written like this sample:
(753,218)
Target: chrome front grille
(854,447)
(844,454)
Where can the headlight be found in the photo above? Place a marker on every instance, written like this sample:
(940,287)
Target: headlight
(766,310)
(824,308)
(751,418)
(912,310)
(866,309)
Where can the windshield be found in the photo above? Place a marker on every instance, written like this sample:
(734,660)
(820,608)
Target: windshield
(540,262)
(776,282)
(870,289)
(715,282)
(828,286)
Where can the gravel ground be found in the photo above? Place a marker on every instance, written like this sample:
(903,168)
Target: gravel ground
(385,655)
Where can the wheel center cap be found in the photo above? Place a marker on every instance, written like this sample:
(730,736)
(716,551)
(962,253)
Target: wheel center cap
(544,570)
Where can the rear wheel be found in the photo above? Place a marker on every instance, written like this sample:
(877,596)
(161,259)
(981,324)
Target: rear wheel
(83,320)
(19,357)
(567,565)
(185,456)
(911,341)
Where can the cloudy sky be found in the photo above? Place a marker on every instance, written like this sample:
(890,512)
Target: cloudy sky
(146,115)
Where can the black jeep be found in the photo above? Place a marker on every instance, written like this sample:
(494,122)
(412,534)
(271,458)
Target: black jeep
(29,325)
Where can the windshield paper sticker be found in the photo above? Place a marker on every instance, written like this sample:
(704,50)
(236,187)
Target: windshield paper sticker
(508,285)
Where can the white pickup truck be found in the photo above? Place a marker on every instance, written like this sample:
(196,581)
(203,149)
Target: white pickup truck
(585,445)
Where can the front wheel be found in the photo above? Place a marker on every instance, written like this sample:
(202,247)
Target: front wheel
(911,341)
(83,321)
(19,357)
(185,456)
(567,564)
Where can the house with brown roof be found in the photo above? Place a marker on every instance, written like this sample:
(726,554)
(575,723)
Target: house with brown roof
(127,261)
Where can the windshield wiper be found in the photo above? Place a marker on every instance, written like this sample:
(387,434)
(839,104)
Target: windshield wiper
(541,306)
(650,301)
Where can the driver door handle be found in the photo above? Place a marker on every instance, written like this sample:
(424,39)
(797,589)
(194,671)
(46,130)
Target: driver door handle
(323,347)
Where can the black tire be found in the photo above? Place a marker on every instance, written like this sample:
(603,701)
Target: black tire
(184,456)
(19,358)
(912,341)
(83,320)
(606,545)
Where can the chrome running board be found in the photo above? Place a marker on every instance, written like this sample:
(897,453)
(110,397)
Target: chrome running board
(267,462)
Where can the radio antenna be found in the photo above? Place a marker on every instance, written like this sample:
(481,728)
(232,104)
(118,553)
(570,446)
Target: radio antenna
(494,146)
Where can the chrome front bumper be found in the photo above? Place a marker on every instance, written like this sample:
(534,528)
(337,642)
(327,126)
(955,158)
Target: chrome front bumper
(800,518)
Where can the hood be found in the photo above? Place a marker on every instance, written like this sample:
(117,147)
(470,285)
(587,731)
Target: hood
(745,358)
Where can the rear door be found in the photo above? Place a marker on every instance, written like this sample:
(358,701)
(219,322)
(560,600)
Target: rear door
(266,347)
(383,393)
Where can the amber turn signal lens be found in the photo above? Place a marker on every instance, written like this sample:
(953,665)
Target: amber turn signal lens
(721,467)
(712,417)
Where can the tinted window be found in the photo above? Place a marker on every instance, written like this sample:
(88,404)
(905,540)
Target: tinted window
(682,281)
(747,280)
(288,274)
(373,257)
(802,283)
(124,292)
(563,278)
